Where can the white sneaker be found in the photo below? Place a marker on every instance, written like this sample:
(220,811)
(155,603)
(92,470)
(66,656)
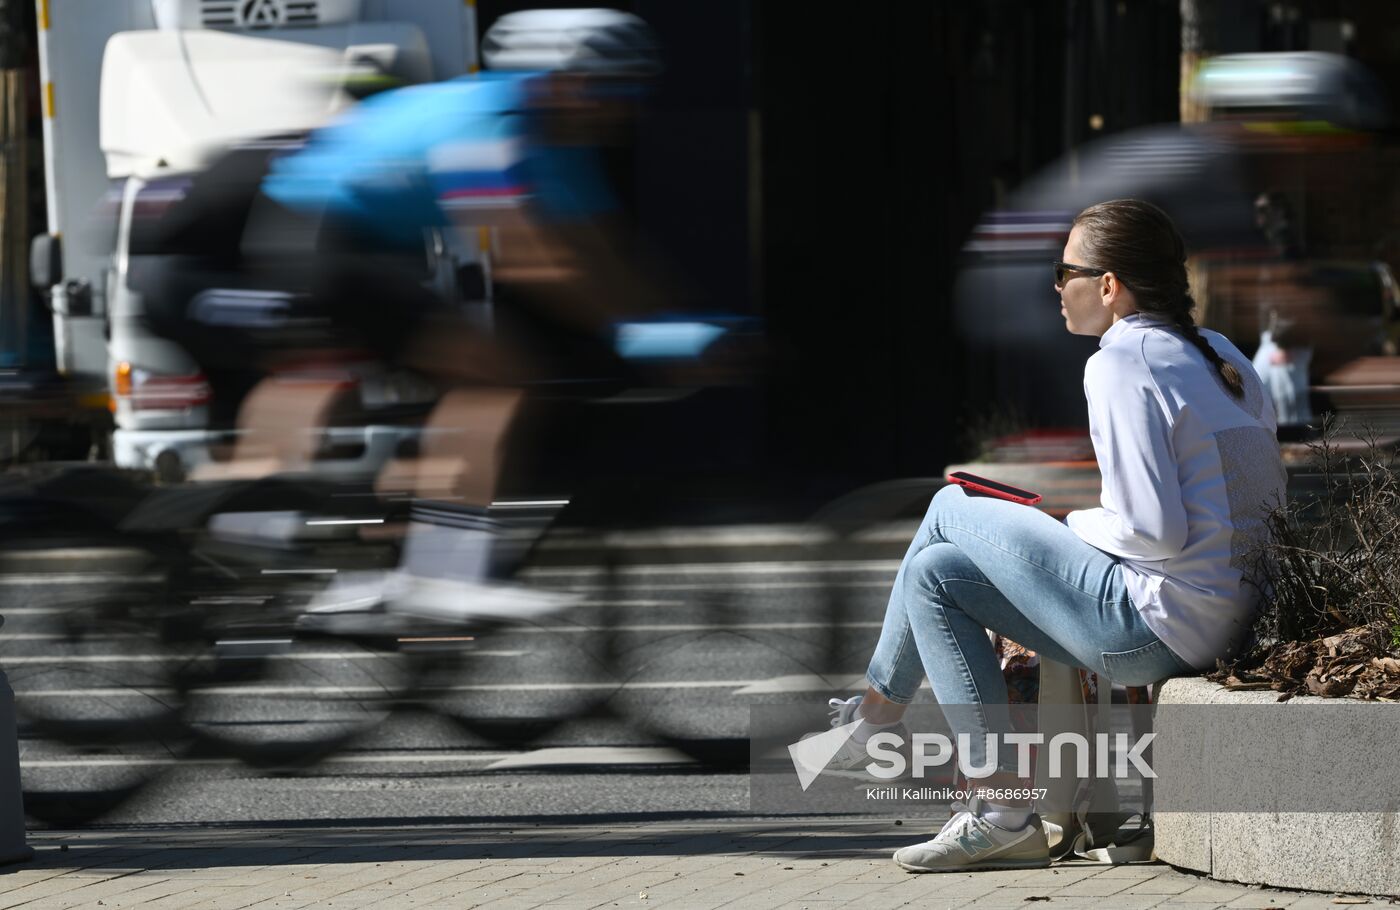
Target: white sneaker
(461,601)
(356,592)
(352,605)
(969,842)
(850,760)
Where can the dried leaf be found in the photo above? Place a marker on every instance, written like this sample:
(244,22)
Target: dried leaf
(1237,685)
(1331,687)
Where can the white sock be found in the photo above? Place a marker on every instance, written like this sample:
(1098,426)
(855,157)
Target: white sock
(868,729)
(1008,818)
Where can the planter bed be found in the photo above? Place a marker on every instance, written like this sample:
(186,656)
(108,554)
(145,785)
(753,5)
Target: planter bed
(1348,851)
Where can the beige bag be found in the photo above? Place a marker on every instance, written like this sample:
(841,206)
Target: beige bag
(1092,829)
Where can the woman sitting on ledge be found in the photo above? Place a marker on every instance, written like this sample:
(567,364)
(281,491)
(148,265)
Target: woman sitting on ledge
(1150,585)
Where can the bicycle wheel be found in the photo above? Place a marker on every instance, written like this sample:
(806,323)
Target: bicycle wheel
(512,683)
(85,652)
(725,631)
(68,787)
(83,642)
(703,634)
(869,528)
(264,690)
(271,697)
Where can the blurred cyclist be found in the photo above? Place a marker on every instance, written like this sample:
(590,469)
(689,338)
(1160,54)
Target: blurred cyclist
(516,150)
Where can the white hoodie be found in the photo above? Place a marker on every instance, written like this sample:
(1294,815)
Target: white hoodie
(1189,472)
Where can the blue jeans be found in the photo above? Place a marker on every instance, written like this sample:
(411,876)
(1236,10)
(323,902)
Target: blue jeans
(979,563)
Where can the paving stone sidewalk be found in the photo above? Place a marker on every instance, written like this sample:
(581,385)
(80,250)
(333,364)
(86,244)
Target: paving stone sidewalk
(695,864)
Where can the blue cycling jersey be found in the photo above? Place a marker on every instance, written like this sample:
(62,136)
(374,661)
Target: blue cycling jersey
(461,152)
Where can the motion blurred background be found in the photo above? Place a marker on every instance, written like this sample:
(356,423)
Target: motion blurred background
(882,186)
(847,214)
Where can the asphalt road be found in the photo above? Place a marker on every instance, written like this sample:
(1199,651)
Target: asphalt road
(692,645)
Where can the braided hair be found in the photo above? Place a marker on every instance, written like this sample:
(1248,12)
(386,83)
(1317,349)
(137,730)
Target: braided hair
(1138,243)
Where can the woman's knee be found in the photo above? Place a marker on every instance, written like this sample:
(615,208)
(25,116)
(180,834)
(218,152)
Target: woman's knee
(937,564)
(945,502)
(949,494)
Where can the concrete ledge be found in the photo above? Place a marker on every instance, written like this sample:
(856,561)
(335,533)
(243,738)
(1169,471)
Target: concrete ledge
(1355,852)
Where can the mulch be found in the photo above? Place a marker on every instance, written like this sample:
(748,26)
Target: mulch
(1358,663)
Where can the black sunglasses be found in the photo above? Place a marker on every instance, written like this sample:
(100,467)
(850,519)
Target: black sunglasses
(1064,269)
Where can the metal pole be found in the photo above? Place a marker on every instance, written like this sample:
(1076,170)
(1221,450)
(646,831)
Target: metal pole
(1073,74)
(13,848)
(1193,52)
(14,188)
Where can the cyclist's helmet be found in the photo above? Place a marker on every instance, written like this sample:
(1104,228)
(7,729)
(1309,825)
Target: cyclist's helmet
(598,41)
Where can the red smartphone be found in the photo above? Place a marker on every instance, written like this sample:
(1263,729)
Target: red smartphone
(993,488)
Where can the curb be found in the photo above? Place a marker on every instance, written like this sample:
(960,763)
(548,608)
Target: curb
(1310,850)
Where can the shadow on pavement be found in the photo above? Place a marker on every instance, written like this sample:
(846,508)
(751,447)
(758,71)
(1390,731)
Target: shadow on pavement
(256,847)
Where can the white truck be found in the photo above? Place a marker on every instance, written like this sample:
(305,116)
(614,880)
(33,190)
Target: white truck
(137,93)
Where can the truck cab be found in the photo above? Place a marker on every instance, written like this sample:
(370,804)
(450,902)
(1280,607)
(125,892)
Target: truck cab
(141,96)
